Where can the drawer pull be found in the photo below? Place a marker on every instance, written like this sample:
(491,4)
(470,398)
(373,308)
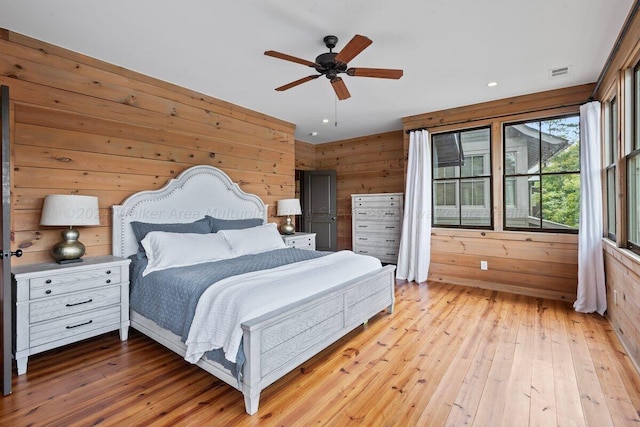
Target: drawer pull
(108,280)
(390,227)
(80,303)
(48,291)
(80,324)
(108,271)
(47,281)
(363,238)
(362,226)
(390,241)
(389,213)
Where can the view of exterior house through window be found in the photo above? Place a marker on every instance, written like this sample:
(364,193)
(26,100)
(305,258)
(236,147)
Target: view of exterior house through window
(542,174)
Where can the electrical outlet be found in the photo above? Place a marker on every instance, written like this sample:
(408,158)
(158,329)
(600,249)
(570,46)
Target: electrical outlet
(615,297)
(484,265)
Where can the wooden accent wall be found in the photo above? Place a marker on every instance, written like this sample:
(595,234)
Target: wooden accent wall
(622,267)
(82,125)
(368,164)
(305,155)
(530,263)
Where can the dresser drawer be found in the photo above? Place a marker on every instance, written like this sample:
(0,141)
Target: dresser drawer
(377,200)
(65,327)
(377,214)
(377,227)
(383,254)
(376,240)
(57,284)
(68,304)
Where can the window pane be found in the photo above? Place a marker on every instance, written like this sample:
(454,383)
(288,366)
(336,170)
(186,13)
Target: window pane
(476,209)
(561,201)
(476,145)
(523,140)
(510,163)
(510,192)
(633,170)
(611,201)
(519,215)
(446,155)
(560,145)
(613,132)
(637,108)
(446,210)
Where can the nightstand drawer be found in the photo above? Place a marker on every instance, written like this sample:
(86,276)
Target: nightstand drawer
(56,284)
(59,329)
(304,242)
(73,303)
(300,241)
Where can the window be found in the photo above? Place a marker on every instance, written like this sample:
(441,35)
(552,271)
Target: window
(611,147)
(542,175)
(633,174)
(462,178)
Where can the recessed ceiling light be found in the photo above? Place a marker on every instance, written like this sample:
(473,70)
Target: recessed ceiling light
(325,120)
(492,84)
(314,134)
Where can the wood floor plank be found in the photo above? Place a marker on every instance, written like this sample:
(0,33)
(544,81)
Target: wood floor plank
(448,355)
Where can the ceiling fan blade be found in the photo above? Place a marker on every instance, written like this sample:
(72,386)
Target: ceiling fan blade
(356,45)
(382,73)
(286,57)
(340,88)
(297,82)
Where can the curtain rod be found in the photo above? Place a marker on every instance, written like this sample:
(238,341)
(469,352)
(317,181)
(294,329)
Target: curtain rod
(493,117)
(616,46)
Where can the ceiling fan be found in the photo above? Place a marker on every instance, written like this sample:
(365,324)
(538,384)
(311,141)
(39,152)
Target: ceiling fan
(331,64)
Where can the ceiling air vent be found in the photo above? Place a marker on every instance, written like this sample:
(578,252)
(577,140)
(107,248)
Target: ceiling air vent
(558,72)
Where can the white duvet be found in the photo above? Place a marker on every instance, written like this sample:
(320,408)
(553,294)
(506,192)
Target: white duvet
(224,307)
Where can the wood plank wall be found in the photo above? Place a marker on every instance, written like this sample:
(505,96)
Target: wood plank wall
(540,264)
(622,267)
(368,164)
(82,125)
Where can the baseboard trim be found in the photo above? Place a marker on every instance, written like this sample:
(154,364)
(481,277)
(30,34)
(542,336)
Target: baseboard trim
(502,287)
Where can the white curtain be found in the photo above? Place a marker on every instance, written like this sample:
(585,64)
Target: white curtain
(591,284)
(415,243)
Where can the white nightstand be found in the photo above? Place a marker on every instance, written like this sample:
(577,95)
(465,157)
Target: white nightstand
(60,304)
(300,240)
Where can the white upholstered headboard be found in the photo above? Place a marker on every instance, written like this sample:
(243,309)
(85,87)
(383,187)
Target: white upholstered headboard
(196,192)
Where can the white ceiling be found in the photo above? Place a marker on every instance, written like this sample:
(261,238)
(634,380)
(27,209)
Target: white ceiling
(449,50)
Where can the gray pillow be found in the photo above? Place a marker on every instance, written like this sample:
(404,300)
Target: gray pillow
(218,224)
(140,229)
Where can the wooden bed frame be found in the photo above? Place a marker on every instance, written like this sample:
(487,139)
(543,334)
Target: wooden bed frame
(274,343)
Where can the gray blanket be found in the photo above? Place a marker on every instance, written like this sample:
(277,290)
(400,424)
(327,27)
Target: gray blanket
(169,297)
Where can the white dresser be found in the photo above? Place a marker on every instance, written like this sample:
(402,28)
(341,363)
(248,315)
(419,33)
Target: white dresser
(377,224)
(300,240)
(60,304)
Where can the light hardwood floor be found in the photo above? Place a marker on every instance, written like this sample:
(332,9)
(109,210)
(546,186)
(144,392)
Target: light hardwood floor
(449,355)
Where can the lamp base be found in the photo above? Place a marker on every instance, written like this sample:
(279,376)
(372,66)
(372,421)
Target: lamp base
(70,249)
(288,227)
(68,261)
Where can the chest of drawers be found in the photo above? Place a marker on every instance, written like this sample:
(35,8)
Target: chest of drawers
(60,304)
(377,224)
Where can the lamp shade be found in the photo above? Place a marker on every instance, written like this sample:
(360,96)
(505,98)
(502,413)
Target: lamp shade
(289,207)
(70,210)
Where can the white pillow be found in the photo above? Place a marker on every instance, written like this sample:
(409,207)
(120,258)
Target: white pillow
(253,240)
(166,250)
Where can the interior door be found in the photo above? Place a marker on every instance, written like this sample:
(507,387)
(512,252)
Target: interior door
(320,212)
(5,249)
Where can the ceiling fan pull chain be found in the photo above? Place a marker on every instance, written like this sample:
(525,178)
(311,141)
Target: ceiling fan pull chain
(335,114)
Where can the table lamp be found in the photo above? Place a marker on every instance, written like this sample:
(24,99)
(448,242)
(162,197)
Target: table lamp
(69,210)
(288,207)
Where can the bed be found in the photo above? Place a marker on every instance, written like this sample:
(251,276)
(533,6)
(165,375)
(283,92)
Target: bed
(279,339)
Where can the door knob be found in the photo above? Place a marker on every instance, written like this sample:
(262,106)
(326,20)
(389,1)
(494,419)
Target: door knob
(7,254)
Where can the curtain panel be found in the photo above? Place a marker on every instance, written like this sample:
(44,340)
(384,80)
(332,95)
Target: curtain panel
(591,295)
(414,256)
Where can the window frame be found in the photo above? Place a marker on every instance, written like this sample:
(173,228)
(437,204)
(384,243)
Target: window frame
(633,152)
(539,178)
(612,114)
(488,186)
